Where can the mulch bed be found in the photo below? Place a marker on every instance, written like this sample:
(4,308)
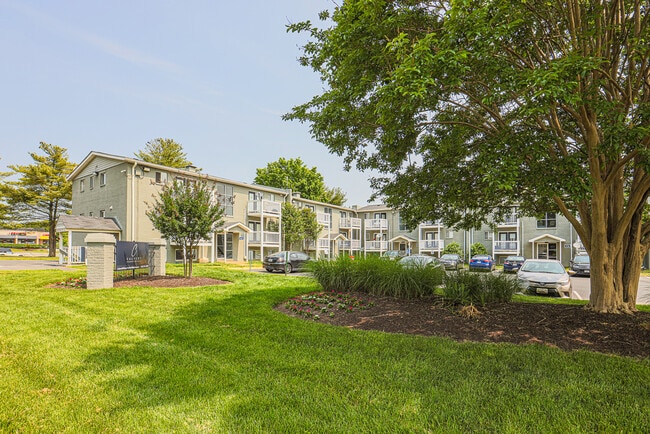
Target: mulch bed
(562,326)
(167,281)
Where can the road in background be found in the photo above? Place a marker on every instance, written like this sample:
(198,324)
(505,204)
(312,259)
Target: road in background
(582,289)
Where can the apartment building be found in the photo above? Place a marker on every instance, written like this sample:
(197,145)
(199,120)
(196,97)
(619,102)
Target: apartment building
(120,188)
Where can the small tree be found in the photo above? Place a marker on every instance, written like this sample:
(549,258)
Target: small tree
(185,213)
(310,223)
(453,248)
(293,228)
(43,191)
(478,249)
(165,152)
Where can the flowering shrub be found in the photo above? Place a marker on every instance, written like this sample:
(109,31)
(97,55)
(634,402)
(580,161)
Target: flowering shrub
(73,282)
(315,304)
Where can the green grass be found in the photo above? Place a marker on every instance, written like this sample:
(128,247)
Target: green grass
(220,359)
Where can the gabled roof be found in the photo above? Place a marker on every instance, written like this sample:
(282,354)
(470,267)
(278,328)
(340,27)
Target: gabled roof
(78,223)
(232,225)
(402,237)
(547,237)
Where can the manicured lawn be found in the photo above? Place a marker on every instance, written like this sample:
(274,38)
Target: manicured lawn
(220,359)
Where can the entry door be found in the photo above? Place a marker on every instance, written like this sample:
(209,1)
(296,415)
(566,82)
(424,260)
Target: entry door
(224,249)
(542,251)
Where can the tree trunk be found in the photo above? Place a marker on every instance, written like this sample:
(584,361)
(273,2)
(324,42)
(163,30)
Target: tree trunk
(51,249)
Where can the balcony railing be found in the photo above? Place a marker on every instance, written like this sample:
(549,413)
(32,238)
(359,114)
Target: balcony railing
(430,224)
(431,245)
(323,243)
(511,220)
(264,207)
(269,238)
(350,223)
(323,219)
(505,246)
(377,224)
(377,245)
(349,245)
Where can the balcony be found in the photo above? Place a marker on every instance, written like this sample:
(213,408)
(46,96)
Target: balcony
(503,247)
(376,246)
(430,224)
(268,238)
(259,207)
(376,224)
(509,221)
(349,245)
(350,223)
(431,245)
(324,219)
(323,243)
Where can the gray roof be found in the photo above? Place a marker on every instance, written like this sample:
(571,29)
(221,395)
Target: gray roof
(79,223)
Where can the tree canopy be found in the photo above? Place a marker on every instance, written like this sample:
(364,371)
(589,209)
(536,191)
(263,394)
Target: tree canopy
(42,191)
(165,152)
(185,213)
(472,106)
(298,226)
(293,173)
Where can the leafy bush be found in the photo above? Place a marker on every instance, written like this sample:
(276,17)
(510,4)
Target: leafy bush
(472,288)
(453,248)
(478,249)
(376,276)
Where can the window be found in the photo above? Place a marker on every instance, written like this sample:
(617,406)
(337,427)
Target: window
(450,234)
(226,198)
(379,215)
(91,182)
(161,177)
(343,214)
(81,186)
(311,207)
(402,226)
(488,235)
(548,221)
(102,213)
(102,179)
(253,195)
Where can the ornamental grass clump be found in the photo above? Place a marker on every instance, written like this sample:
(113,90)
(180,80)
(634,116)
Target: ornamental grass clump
(377,276)
(467,288)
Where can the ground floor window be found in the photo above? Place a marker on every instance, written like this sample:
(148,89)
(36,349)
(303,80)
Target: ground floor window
(224,246)
(179,254)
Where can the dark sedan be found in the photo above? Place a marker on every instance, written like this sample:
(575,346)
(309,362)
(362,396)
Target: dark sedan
(286,261)
(512,264)
(451,261)
(581,265)
(481,262)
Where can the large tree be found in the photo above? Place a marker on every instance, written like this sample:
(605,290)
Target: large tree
(165,152)
(293,173)
(470,106)
(42,191)
(299,225)
(186,212)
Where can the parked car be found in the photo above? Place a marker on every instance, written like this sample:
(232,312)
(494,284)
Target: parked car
(481,262)
(6,251)
(581,265)
(288,261)
(452,261)
(393,255)
(544,277)
(512,264)
(415,261)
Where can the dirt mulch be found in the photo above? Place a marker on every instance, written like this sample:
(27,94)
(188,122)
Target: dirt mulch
(562,326)
(167,281)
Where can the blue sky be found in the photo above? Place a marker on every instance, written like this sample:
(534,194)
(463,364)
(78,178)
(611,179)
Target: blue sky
(216,76)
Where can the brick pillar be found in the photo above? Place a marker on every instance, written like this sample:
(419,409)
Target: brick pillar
(100,257)
(157,257)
